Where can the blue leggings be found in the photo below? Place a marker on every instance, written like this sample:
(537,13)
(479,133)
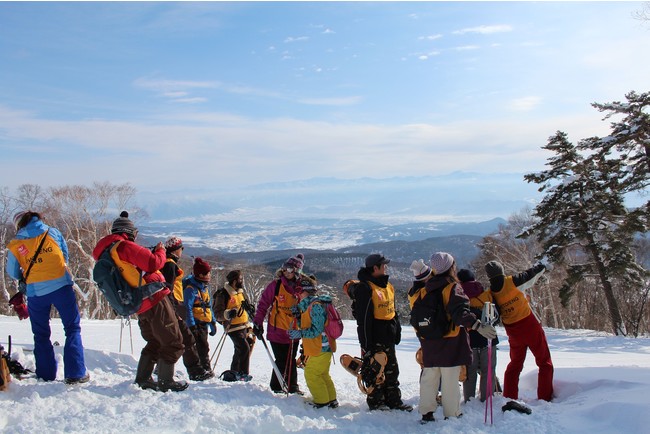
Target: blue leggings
(63,299)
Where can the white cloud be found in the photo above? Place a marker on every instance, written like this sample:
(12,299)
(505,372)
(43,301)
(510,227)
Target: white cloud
(430,37)
(333,101)
(467,48)
(291,39)
(484,30)
(524,104)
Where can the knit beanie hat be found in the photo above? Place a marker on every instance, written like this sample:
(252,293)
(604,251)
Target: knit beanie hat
(465,275)
(494,269)
(441,262)
(296,262)
(17,217)
(201,267)
(122,225)
(174,243)
(308,285)
(420,270)
(233,275)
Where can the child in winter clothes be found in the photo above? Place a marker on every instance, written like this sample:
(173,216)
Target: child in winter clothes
(317,347)
(277,301)
(443,357)
(523,329)
(199,309)
(232,310)
(479,344)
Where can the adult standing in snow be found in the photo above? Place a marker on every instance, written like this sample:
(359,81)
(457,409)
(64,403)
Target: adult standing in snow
(156,317)
(523,329)
(379,330)
(174,278)
(48,283)
(198,305)
(318,349)
(276,304)
(443,357)
(479,344)
(231,308)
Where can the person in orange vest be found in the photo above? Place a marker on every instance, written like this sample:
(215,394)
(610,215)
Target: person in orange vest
(523,329)
(48,284)
(156,317)
(232,310)
(318,348)
(174,278)
(277,302)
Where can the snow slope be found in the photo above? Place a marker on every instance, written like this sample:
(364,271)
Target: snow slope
(602,385)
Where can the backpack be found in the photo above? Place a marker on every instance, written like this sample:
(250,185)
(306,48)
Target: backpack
(429,317)
(123,298)
(333,323)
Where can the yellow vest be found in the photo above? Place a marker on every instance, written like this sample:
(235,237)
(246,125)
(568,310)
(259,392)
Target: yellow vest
(235,302)
(383,301)
(129,271)
(50,263)
(281,316)
(312,346)
(200,312)
(177,290)
(512,302)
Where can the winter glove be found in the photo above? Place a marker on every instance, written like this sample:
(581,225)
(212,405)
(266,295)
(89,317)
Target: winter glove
(18,303)
(486,330)
(295,311)
(230,314)
(213,328)
(294,334)
(545,261)
(258,329)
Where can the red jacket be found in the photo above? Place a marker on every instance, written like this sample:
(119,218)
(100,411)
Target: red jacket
(142,258)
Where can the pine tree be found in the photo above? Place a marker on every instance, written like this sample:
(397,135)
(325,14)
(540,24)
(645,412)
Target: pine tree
(583,215)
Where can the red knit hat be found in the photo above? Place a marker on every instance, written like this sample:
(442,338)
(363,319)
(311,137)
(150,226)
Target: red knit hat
(201,267)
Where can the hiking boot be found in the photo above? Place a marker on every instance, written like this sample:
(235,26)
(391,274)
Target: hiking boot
(379,407)
(316,405)
(296,391)
(401,406)
(427,417)
(245,377)
(202,376)
(333,404)
(84,379)
(166,378)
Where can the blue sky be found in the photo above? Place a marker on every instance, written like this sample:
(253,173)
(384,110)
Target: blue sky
(219,94)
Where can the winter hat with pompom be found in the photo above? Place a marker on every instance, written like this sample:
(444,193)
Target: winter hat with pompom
(296,262)
(201,267)
(173,243)
(122,225)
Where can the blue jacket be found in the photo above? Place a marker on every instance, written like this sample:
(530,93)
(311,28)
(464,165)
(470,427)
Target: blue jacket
(191,288)
(318,318)
(32,230)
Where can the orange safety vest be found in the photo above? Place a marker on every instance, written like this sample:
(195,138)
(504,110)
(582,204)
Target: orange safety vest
(512,302)
(201,308)
(50,263)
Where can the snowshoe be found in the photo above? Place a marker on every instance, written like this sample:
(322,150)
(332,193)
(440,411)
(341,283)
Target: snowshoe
(369,373)
(516,406)
(333,404)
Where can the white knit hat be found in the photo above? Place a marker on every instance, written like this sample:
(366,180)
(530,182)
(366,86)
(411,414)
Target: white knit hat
(441,262)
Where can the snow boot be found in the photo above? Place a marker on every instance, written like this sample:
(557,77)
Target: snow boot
(143,374)
(427,417)
(166,378)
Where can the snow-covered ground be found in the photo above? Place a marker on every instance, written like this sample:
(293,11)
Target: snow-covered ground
(602,385)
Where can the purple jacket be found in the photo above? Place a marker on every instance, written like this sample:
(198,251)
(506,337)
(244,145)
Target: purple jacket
(265,304)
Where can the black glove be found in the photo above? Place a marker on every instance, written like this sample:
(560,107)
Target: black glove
(258,329)
(230,314)
(213,328)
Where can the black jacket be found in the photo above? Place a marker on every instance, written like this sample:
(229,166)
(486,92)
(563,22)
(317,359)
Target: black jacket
(373,333)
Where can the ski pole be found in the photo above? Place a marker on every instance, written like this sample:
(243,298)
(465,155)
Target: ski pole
(220,345)
(128,320)
(121,327)
(488,386)
(278,374)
